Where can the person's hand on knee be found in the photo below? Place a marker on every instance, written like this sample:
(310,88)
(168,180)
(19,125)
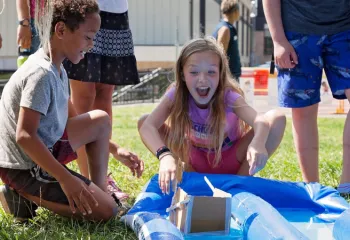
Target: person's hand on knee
(78,195)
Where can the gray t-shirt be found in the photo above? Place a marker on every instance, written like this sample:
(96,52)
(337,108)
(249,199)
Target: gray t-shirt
(316,17)
(36,85)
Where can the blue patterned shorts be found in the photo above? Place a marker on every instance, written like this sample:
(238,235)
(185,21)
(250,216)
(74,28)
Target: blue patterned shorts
(300,86)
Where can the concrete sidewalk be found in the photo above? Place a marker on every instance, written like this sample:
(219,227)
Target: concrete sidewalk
(326,109)
(260,103)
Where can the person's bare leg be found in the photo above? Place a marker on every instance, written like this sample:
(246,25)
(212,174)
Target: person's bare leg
(83,97)
(93,130)
(103,99)
(277,121)
(105,210)
(305,134)
(345,176)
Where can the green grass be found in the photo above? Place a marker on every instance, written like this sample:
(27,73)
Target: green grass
(5,75)
(283,166)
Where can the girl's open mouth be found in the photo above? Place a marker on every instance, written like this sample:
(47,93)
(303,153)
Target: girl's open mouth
(203,91)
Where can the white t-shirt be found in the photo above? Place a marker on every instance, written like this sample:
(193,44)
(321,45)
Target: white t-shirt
(113,6)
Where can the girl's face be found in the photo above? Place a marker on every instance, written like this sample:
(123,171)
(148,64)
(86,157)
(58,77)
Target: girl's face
(78,42)
(202,74)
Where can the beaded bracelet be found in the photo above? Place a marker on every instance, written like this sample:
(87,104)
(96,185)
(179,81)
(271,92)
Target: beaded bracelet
(164,154)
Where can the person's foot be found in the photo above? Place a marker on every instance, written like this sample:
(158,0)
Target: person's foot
(123,207)
(113,188)
(12,203)
(118,195)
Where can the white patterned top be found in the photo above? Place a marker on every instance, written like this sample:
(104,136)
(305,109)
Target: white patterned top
(113,6)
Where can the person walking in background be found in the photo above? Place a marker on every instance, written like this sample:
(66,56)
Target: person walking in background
(226,34)
(27,36)
(309,37)
(109,63)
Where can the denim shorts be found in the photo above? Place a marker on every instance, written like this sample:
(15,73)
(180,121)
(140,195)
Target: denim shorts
(35,38)
(300,86)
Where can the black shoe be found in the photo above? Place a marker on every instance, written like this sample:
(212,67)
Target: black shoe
(12,203)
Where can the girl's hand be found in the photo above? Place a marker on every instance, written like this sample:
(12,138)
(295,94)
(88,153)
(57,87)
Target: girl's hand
(167,173)
(78,195)
(130,160)
(257,157)
(285,56)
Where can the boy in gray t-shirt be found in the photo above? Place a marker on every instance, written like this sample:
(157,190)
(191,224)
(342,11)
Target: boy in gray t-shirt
(309,37)
(40,131)
(37,85)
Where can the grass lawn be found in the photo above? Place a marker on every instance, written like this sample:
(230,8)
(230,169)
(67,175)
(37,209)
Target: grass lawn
(5,75)
(283,166)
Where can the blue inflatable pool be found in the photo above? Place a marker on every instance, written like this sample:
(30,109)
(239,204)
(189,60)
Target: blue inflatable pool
(263,209)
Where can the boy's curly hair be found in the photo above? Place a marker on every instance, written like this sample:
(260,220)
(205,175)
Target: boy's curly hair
(72,12)
(229,6)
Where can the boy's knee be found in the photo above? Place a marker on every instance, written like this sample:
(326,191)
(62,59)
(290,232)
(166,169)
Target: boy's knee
(141,121)
(102,121)
(110,212)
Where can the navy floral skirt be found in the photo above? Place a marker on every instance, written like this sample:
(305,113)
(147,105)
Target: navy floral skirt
(112,60)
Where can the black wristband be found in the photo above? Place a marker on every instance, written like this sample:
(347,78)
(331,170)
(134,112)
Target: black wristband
(162,150)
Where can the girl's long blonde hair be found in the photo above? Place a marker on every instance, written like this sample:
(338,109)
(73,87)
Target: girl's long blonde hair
(179,120)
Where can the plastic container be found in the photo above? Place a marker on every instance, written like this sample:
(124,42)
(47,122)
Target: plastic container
(23,54)
(261,77)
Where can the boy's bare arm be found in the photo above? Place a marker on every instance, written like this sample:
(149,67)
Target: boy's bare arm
(272,10)
(285,55)
(224,37)
(28,139)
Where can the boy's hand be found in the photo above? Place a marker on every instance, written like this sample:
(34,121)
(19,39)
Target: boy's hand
(285,55)
(167,173)
(130,160)
(257,157)
(78,195)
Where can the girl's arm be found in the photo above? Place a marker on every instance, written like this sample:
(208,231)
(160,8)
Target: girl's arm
(151,137)
(28,139)
(149,130)
(257,154)
(285,56)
